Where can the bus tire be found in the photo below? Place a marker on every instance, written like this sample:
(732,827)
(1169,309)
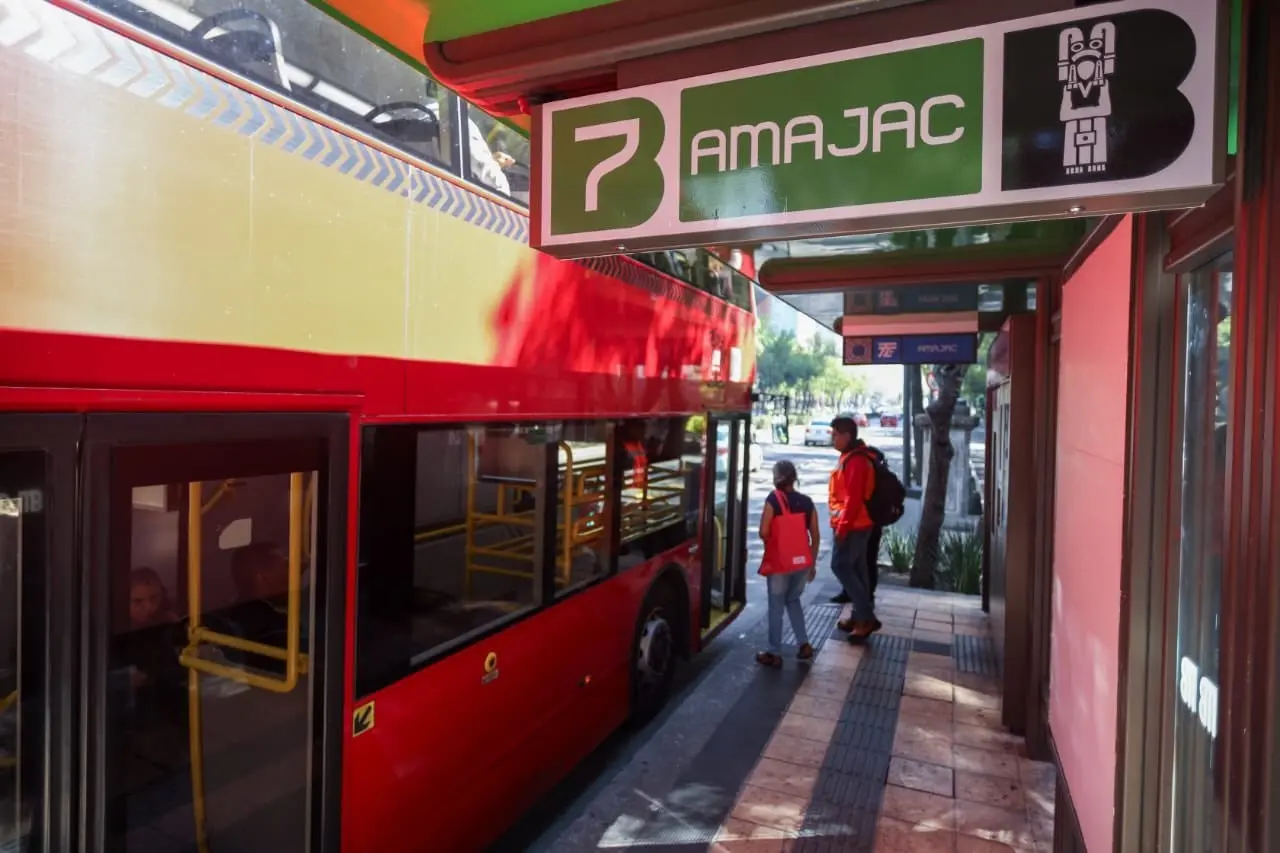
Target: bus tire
(659,643)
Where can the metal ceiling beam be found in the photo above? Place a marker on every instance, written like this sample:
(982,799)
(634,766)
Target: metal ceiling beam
(632,42)
(783,276)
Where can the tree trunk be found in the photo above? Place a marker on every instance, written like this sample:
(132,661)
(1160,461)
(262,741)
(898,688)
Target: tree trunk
(933,508)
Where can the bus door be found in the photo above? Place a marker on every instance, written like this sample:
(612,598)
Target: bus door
(37,630)
(724,521)
(215,579)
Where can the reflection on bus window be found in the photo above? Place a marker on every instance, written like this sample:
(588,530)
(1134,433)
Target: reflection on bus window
(298,50)
(584,508)
(242,569)
(499,155)
(702,270)
(449,538)
(469,575)
(659,482)
(15,809)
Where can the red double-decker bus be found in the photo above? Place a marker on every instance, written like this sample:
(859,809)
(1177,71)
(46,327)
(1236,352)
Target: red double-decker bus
(332,517)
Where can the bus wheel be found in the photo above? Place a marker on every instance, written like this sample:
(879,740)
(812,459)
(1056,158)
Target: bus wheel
(654,653)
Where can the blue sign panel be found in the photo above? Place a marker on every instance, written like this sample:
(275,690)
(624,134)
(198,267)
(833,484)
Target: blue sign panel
(912,349)
(940,349)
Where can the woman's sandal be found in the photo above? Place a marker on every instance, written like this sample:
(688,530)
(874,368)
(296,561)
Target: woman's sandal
(805,652)
(768,659)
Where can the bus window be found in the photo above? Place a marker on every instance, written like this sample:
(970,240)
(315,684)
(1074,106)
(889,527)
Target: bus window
(307,56)
(499,156)
(658,482)
(180,732)
(585,506)
(450,540)
(240,557)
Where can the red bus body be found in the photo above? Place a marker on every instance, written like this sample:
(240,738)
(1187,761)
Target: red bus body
(165,259)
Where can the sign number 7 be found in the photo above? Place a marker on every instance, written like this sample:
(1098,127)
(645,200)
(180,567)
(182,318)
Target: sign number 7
(629,130)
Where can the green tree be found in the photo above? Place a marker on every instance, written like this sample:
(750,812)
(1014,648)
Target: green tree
(933,505)
(775,361)
(974,386)
(783,366)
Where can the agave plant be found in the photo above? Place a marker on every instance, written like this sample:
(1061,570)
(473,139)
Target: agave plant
(960,562)
(899,548)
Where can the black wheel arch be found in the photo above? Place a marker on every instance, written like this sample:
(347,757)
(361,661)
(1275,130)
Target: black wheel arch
(671,580)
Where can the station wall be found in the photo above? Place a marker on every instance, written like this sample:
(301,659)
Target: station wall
(1089,515)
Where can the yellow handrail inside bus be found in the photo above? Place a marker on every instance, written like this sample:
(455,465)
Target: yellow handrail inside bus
(294,660)
(650,500)
(198,634)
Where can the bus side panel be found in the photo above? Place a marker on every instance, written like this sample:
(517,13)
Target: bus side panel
(457,753)
(442,391)
(128,216)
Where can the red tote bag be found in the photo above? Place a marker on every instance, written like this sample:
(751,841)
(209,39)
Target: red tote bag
(787,549)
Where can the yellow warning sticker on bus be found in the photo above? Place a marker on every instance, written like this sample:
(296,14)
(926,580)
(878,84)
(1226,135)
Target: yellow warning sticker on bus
(362,721)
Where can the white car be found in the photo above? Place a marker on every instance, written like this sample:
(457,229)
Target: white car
(817,432)
(755,454)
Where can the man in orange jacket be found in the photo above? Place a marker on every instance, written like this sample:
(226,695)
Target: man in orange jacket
(851,485)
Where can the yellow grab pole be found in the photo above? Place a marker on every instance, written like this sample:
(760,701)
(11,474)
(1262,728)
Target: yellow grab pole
(194,722)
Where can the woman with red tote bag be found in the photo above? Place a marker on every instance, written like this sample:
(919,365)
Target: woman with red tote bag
(789,528)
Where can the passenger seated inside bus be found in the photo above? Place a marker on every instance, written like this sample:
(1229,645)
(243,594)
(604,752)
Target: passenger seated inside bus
(150,648)
(260,572)
(147,685)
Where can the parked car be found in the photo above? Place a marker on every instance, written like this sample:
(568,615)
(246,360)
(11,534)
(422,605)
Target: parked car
(861,419)
(818,432)
(889,419)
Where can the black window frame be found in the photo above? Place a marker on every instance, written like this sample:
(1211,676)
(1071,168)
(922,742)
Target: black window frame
(50,635)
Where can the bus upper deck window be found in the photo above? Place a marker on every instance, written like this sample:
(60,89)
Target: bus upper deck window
(247,41)
(406,121)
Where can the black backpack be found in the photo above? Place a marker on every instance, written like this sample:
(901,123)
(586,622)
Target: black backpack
(888,499)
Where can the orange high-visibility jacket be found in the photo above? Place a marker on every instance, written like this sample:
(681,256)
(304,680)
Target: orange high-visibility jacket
(853,477)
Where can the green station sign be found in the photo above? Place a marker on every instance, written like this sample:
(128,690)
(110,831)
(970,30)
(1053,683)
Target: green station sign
(1095,110)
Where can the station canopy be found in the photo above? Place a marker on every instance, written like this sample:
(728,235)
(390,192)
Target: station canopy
(507,54)
(661,124)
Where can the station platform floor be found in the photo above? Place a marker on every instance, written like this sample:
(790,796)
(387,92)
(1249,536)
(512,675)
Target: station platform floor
(892,746)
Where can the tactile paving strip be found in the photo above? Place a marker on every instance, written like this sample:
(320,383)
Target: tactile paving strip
(846,799)
(820,619)
(975,654)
